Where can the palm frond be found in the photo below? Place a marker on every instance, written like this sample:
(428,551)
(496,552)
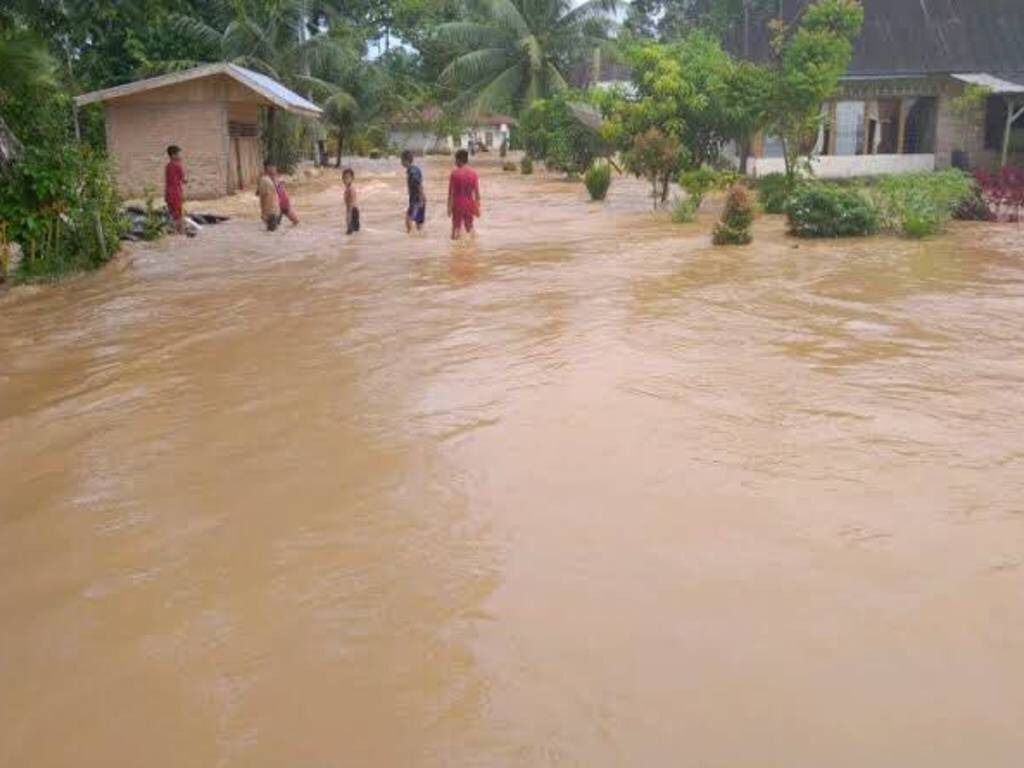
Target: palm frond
(502,91)
(322,88)
(472,69)
(592,9)
(463,34)
(327,54)
(24,60)
(196,31)
(507,17)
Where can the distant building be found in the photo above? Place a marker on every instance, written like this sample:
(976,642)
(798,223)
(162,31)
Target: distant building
(895,111)
(212,112)
(417,131)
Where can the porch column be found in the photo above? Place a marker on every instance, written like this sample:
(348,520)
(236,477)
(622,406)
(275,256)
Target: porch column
(1012,113)
(901,130)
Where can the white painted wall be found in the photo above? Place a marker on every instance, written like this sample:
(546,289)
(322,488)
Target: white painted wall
(419,142)
(482,132)
(847,166)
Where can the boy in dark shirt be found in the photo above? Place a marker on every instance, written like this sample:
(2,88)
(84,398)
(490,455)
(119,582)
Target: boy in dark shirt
(416,213)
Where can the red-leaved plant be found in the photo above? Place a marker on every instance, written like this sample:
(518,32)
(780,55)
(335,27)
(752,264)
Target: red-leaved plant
(1003,191)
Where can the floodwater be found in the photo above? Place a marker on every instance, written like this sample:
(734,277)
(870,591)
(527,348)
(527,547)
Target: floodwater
(583,492)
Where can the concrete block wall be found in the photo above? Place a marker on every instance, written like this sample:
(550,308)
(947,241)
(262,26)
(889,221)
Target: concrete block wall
(138,135)
(955,132)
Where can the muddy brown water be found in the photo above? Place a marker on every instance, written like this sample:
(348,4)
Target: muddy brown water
(583,492)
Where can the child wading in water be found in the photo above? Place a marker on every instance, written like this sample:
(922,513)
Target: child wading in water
(283,201)
(348,178)
(266,191)
(174,190)
(416,213)
(463,195)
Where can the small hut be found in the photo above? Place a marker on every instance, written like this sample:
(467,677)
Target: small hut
(211,112)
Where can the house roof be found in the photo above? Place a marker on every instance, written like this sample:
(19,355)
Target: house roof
(996,85)
(267,87)
(922,37)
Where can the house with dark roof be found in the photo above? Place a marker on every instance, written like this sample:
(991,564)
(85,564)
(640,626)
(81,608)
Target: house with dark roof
(896,109)
(212,112)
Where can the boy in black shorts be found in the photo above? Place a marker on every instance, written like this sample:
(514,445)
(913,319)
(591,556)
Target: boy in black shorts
(416,213)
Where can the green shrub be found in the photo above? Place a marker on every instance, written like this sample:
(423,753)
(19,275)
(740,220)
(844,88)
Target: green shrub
(826,210)
(598,179)
(734,228)
(550,129)
(699,182)
(773,191)
(526,165)
(920,204)
(508,167)
(921,218)
(153,223)
(61,206)
(684,209)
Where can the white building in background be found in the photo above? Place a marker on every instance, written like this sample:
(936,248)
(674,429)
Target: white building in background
(480,133)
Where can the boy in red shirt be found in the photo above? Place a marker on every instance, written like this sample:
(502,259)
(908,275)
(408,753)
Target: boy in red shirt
(174,188)
(463,195)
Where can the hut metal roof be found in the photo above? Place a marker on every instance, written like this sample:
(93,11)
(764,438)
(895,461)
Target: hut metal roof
(264,86)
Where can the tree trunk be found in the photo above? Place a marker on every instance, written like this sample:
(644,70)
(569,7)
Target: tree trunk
(337,162)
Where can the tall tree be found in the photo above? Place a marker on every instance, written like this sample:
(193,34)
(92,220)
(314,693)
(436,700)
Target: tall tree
(519,51)
(810,59)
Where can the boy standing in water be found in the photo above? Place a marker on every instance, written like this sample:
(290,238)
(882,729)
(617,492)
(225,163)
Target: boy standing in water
(463,195)
(266,191)
(174,189)
(348,178)
(416,213)
(283,201)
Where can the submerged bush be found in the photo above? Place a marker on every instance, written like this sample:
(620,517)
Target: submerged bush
(684,209)
(826,210)
(974,208)
(598,179)
(734,228)
(773,191)
(920,204)
(526,165)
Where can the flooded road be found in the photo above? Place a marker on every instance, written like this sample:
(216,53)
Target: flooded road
(585,492)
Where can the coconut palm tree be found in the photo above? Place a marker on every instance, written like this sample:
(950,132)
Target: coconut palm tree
(521,50)
(289,40)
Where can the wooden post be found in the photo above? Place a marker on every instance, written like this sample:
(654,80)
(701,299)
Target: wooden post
(901,129)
